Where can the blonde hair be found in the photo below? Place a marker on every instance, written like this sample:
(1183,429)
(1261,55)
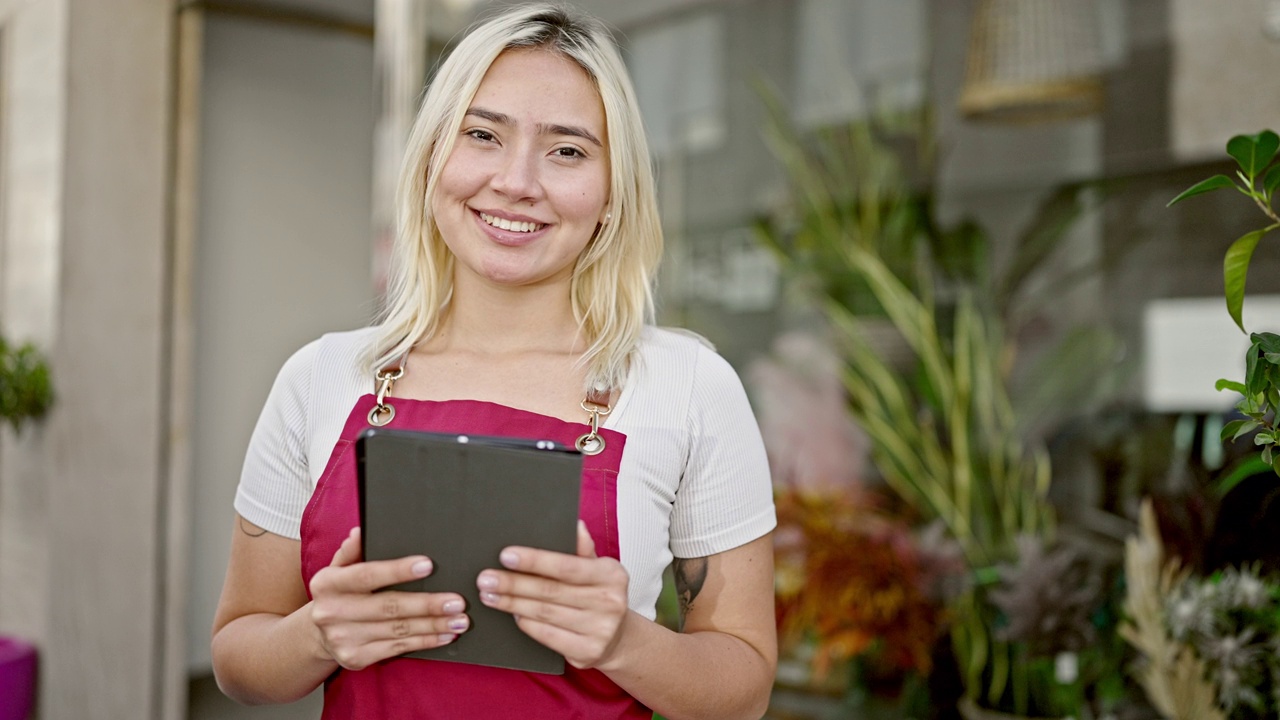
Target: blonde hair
(611,288)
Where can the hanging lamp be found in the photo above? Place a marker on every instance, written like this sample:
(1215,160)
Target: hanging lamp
(1033,61)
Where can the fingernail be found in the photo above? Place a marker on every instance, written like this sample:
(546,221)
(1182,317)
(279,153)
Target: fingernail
(509,558)
(452,607)
(487,582)
(446,638)
(488,598)
(422,568)
(459,623)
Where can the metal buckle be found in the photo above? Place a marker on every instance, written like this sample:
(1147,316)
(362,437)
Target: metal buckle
(592,443)
(383,413)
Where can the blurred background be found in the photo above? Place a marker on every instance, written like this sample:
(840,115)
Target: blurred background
(931,235)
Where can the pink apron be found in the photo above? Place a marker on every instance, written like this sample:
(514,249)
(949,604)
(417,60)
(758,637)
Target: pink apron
(413,688)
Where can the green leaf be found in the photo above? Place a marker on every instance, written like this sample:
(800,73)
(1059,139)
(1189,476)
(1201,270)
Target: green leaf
(1254,379)
(1271,180)
(1263,438)
(1217,182)
(1230,429)
(1242,470)
(1269,342)
(1253,152)
(1232,385)
(1241,428)
(1235,268)
(960,251)
(1266,454)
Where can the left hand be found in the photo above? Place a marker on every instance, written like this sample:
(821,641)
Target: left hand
(575,605)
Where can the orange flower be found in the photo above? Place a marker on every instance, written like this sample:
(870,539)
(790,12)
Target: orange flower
(850,580)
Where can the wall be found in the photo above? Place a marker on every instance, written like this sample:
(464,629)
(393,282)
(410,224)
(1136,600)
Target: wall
(283,247)
(1222,53)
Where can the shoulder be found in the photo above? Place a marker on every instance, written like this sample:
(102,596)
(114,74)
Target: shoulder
(673,350)
(679,352)
(683,368)
(328,365)
(340,352)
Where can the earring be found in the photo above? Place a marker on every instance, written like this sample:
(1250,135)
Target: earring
(607,217)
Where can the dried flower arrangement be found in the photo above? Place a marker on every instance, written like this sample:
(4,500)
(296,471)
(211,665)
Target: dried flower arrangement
(1231,620)
(1211,645)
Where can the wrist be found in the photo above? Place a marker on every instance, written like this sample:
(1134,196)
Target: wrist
(316,650)
(618,656)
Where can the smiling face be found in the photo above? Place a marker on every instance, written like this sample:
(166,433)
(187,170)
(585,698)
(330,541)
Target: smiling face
(527,182)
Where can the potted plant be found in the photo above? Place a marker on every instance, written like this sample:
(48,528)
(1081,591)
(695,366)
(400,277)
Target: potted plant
(1211,642)
(946,434)
(1257,178)
(26,392)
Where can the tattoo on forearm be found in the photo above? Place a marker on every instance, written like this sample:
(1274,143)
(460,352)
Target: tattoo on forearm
(690,574)
(250,529)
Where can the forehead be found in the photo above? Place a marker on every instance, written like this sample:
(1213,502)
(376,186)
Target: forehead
(541,85)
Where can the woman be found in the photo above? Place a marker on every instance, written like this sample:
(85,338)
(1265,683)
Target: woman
(528,240)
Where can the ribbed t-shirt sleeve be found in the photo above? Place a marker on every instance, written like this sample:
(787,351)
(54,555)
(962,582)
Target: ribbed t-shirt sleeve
(725,498)
(275,484)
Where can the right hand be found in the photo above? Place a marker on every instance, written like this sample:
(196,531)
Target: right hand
(359,627)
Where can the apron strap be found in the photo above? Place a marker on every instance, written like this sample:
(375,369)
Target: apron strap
(596,403)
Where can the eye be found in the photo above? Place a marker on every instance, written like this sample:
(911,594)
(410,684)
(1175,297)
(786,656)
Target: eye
(569,152)
(481,135)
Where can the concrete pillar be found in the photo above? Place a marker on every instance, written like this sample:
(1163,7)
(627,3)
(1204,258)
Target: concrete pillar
(86,267)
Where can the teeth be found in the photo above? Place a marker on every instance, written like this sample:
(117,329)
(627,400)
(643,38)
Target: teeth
(509,225)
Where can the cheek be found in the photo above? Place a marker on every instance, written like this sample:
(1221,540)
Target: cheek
(460,178)
(587,199)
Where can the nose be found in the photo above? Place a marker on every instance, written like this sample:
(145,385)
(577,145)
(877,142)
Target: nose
(516,177)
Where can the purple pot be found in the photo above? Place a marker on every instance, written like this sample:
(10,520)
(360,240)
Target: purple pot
(17,678)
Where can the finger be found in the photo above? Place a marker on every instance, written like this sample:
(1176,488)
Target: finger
(362,656)
(349,551)
(390,605)
(355,634)
(566,642)
(418,627)
(607,596)
(560,566)
(540,610)
(366,577)
(586,545)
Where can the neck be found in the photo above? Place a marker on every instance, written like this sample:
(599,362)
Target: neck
(496,319)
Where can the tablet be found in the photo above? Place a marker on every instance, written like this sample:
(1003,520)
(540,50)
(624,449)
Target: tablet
(459,500)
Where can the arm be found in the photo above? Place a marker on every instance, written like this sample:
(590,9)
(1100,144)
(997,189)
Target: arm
(720,666)
(270,645)
(265,649)
(722,662)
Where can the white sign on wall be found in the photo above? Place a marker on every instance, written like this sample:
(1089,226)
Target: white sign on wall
(1189,343)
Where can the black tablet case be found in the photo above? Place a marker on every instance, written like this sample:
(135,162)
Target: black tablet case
(460,500)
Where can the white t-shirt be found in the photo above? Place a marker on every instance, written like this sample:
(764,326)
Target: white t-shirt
(694,479)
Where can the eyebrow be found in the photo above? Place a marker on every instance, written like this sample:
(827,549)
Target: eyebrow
(543,128)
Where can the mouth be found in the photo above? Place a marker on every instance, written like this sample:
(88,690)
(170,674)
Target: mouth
(513,226)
